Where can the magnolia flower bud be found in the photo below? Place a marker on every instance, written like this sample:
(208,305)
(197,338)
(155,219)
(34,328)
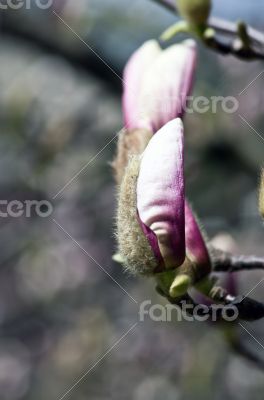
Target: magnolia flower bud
(157,83)
(157,231)
(261,194)
(160,192)
(196,12)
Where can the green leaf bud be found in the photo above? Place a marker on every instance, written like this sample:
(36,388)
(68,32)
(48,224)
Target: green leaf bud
(196,12)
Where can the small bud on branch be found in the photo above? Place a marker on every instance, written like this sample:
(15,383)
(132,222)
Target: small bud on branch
(196,12)
(232,30)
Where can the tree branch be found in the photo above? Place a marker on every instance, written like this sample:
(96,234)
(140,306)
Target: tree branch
(228,29)
(225,262)
(248,309)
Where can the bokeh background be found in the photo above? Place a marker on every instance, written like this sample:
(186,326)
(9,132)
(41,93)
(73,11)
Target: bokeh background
(61,306)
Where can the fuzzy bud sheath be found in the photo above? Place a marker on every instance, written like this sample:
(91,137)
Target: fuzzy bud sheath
(261,194)
(133,245)
(130,143)
(156,87)
(157,231)
(196,12)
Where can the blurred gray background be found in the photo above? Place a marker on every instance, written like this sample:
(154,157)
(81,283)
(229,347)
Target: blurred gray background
(60,311)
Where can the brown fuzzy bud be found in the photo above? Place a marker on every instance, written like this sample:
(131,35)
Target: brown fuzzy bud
(134,247)
(130,142)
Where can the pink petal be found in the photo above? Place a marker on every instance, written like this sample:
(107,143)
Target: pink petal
(160,191)
(134,74)
(157,84)
(195,244)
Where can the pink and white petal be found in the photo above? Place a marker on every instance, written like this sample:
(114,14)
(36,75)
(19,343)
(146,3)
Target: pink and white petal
(195,244)
(134,75)
(166,86)
(160,191)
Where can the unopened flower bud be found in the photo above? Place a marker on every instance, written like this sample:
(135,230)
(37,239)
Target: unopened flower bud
(157,231)
(196,12)
(157,84)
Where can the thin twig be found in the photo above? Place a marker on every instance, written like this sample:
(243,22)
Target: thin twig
(248,309)
(229,29)
(225,262)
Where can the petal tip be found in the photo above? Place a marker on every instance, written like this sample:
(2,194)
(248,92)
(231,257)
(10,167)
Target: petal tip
(190,43)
